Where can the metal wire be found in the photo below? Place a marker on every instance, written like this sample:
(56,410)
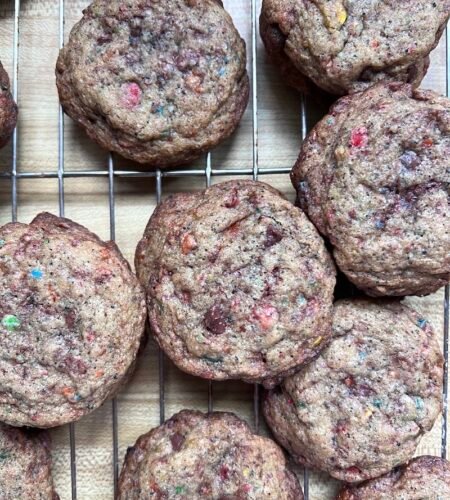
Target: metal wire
(446,297)
(208,172)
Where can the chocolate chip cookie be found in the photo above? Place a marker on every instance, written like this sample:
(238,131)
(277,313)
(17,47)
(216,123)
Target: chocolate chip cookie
(157,82)
(239,283)
(196,456)
(374,177)
(423,478)
(345,46)
(72,317)
(25,465)
(8,108)
(361,407)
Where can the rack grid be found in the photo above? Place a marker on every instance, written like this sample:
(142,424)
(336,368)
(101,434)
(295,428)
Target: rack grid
(207,172)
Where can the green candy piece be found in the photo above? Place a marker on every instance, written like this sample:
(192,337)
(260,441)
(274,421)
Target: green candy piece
(10,322)
(179,490)
(2,243)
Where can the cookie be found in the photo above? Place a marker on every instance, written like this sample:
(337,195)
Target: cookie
(345,47)
(8,108)
(373,176)
(424,478)
(25,465)
(361,407)
(158,82)
(206,456)
(239,283)
(72,317)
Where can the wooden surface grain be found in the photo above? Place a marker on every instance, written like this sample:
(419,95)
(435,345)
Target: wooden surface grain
(86,201)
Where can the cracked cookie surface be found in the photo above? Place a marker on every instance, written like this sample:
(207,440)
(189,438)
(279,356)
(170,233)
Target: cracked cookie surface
(206,456)
(346,45)
(72,318)
(239,283)
(360,408)
(157,82)
(373,176)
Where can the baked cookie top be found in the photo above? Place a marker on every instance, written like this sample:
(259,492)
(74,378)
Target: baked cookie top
(239,283)
(374,177)
(346,45)
(197,456)
(360,408)
(25,465)
(158,82)
(423,478)
(8,108)
(72,317)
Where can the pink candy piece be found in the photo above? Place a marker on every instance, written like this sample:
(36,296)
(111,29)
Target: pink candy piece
(132,94)
(359,138)
(266,316)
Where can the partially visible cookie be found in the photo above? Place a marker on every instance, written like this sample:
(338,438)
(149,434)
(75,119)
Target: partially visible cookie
(25,465)
(373,176)
(72,317)
(8,108)
(423,478)
(239,283)
(360,408)
(345,47)
(200,456)
(157,82)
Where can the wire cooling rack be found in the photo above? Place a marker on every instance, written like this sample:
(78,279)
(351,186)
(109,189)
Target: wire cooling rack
(207,172)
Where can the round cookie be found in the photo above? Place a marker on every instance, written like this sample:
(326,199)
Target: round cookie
(200,456)
(373,176)
(25,465)
(423,478)
(239,283)
(346,46)
(158,82)
(72,317)
(8,108)
(361,407)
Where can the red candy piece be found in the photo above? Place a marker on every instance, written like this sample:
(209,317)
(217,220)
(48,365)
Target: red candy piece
(266,316)
(224,473)
(132,94)
(359,138)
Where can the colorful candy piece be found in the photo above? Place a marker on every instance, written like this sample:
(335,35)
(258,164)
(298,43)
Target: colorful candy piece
(36,273)
(132,95)
(359,137)
(10,322)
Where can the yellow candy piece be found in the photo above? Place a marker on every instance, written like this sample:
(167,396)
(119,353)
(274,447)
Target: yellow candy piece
(368,413)
(246,472)
(317,341)
(342,16)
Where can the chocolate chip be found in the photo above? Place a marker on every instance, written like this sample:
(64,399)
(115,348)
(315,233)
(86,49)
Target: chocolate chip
(215,319)
(177,441)
(273,236)
(409,159)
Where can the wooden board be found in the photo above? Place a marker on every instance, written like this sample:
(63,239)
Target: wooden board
(86,201)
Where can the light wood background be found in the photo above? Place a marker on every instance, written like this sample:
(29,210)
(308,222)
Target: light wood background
(86,201)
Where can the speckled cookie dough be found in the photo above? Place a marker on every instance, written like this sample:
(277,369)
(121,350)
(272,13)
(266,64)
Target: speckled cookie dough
(424,478)
(345,46)
(374,177)
(25,465)
(206,457)
(360,408)
(159,82)
(239,283)
(8,109)
(72,317)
